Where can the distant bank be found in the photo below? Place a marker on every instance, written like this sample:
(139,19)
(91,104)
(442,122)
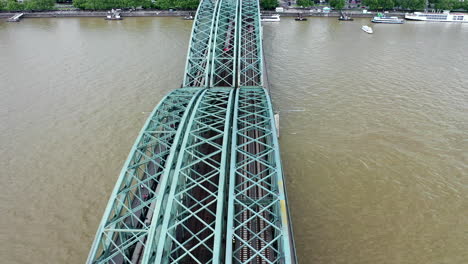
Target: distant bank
(167,13)
(142,13)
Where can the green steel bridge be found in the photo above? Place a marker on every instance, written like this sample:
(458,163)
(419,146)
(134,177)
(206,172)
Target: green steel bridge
(203,182)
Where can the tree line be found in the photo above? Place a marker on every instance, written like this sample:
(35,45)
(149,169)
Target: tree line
(38,5)
(13,5)
(415,4)
(159,4)
(391,4)
(29,5)
(336,4)
(449,4)
(381,4)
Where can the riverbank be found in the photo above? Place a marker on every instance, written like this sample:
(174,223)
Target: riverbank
(167,13)
(308,13)
(143,13)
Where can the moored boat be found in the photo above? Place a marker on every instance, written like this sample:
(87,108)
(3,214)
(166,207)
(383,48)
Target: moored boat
(271,18)
(446,16)
(387,20)
(113,15)
(189,17)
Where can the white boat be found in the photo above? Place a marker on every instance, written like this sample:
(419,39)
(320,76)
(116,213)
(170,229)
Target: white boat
(446,16)
(272,18)
(367,29)
(113,15)
(388,20)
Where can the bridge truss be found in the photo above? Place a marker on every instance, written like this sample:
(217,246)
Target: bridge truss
(223,72)
(200,46)
(129,216)
(204,182)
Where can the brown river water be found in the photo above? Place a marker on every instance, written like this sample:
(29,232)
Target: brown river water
(374,132)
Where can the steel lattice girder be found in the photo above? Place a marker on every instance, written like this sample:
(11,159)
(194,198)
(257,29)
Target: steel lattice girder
(192,230)
(198,57)
(128,218)
(257,218)
(250,72)
(223,72)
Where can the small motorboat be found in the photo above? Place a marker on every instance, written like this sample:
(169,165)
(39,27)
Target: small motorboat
(300,17)
(367,29)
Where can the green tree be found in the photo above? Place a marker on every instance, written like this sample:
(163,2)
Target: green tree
(268,4)
(445,4)
(372,4)
(12,5)
(39,4)
(387,4)
(148,4)
(412,4)
(186,4)
(304,3)
(79,4)
(164,4)
(2,5)
(337,4)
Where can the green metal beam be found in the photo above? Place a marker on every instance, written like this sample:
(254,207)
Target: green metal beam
(198,58)
(223,72)
(250,61)
(258,218)
(192,230)
(129,215)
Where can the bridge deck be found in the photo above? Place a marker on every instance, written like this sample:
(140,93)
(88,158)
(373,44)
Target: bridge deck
(257,218)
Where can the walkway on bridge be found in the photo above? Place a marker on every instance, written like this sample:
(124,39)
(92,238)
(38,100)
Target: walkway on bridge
(204,182)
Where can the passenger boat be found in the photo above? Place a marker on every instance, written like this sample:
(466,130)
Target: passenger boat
(272,18)
(388,20)
(367,29)
(446,16)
